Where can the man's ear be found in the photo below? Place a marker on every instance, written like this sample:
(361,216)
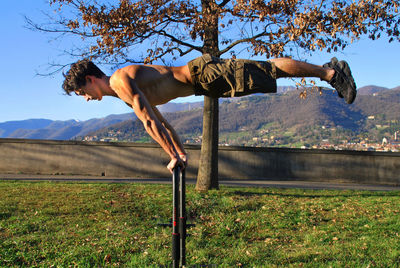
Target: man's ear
(89,78)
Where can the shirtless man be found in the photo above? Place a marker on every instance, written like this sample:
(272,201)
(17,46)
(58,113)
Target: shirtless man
(142,87)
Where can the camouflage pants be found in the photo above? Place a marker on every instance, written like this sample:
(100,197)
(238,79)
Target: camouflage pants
(216,77)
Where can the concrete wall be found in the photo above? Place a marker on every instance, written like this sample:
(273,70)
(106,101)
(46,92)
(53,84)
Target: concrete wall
(149,161)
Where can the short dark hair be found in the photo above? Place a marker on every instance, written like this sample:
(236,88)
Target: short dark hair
(75,78)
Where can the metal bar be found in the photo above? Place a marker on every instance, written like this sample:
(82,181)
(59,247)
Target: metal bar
(182,217)
(175,222)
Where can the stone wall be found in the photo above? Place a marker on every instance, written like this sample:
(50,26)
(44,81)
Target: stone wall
(45,157)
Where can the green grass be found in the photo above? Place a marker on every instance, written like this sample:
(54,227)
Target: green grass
(45,224)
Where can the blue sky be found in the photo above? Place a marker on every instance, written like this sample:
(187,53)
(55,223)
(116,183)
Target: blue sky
(24,53)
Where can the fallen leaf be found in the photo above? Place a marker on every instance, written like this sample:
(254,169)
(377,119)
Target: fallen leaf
(107,258)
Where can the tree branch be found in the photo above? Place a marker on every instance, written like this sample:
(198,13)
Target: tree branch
(237,42)
(37,27)
(180,42)
(185,52)
(223,3)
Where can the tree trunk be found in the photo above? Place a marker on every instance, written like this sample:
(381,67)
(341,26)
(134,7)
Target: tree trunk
(207,177)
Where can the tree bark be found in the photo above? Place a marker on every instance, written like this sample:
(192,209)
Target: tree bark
(207,177)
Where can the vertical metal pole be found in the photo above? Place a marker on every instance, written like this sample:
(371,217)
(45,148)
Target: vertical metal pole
(182,217)
(175,222)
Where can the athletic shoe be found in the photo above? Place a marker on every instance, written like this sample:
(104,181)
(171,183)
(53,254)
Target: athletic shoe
(342,80)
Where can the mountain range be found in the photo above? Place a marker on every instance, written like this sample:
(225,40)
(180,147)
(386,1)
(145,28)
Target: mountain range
(237,114)
(66,130)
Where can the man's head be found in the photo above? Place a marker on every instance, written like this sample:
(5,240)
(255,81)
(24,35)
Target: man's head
(77,76)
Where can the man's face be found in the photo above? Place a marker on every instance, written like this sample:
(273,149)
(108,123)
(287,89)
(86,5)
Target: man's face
(90,91)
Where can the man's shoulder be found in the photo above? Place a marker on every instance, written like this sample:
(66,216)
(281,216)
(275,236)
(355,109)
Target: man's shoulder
(129,71)
(123,75)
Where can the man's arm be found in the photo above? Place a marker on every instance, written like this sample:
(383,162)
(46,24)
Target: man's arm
(174,136)
(127,91)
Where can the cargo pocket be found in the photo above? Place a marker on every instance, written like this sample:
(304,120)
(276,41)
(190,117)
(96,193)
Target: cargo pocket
(258,77)
(213,77)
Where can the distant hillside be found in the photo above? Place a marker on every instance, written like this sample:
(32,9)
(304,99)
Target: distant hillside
(9,127)
(57,130)
(286,111)
(385,103)
(283,89)
(172,107)
(370,90)
(277,113)
(65,130)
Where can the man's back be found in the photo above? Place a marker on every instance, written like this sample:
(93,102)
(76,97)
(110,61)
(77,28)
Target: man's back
(159,84)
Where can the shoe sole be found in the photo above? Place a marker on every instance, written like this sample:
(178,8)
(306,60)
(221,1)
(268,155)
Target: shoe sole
(332,64)
(346,72)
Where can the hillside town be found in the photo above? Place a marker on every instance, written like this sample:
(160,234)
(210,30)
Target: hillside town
(323,122)
(387,144)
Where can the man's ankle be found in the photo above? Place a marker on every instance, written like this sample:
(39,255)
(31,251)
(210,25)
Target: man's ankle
(328,74)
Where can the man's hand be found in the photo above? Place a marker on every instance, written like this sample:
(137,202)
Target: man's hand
(184,158)
(176,162)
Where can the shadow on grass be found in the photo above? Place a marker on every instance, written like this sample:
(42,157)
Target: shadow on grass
(5,216)
(328,194)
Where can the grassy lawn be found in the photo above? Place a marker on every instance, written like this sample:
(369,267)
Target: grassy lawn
(47,224)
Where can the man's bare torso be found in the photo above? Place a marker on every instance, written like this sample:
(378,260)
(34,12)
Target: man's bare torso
(160,84)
